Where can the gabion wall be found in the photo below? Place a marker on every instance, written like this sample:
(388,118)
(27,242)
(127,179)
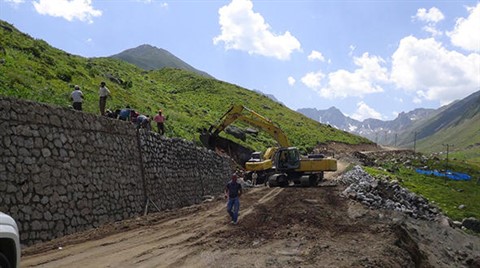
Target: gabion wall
(64,171)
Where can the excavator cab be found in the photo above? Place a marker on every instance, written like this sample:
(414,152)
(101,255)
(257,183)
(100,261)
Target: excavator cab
(256,157)
(287,158)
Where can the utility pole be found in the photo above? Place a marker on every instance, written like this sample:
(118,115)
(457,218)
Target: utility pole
(448,149)
(395,139)
(414,142)
(446,165)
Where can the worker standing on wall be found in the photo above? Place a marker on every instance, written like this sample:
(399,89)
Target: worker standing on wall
(160,120)
(103,92)
(77,98)
(233,191)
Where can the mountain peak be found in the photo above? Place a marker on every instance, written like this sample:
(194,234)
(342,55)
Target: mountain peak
(149,57)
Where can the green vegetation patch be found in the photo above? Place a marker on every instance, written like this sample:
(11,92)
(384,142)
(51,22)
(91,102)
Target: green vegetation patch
(446,194)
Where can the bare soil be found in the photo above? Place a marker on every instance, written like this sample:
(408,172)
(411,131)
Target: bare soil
(278,227)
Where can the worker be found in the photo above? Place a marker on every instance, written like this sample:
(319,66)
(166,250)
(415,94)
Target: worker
(254,178)
(143,121)
(124,114)
(160,119)
(233,191)
(77,98)
(103,92)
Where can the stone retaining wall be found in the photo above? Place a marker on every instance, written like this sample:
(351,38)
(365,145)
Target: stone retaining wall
(64,171)
(202,173)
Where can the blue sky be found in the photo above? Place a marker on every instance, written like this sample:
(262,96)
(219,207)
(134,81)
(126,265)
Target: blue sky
(370,59)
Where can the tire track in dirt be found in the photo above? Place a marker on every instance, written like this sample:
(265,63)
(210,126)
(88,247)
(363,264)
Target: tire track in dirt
(160,244)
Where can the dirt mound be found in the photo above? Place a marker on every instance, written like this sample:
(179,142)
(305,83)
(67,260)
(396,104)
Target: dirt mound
(311,227)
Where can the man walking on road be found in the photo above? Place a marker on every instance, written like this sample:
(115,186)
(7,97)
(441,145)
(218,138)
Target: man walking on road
(233,191)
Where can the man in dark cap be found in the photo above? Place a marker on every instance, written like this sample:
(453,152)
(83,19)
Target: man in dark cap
(233,191)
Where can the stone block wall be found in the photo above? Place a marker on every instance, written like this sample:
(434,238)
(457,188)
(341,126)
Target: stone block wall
(64,171)
(202,172)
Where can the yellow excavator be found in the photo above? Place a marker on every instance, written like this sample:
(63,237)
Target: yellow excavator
(278,166)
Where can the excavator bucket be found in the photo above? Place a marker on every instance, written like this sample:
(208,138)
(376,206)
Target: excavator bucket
(208,139)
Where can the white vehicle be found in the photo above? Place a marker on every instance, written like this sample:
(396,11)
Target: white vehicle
(9,242)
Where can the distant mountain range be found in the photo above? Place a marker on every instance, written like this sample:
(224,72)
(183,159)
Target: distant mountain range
(369,128)
(428,127)
(148,57)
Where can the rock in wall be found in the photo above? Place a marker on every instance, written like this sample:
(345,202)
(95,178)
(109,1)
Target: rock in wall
(64,171)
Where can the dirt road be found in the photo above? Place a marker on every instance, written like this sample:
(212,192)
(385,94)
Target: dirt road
(278,227)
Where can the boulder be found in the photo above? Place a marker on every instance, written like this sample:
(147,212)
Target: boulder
(471,224)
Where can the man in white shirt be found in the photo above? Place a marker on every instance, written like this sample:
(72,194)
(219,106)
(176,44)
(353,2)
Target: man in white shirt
(103,93)
(77,98)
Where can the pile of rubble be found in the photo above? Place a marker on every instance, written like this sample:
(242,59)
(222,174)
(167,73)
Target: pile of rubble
(386,194)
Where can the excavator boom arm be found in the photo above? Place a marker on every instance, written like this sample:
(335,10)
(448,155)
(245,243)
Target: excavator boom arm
(239,112)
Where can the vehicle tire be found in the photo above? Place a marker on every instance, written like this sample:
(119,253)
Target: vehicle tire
(305,181)
(282,180)
(4,263)
(313,181)
(248,176)
(272,184)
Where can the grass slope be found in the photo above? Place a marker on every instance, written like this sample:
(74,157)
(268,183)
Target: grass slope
(32,69)
(465,138)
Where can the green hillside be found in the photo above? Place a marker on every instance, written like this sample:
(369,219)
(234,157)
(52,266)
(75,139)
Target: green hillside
(32,69)
(456,124)
(465,138)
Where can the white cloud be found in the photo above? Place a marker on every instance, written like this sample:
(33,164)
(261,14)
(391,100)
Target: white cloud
(352,49)
(432,30)
(417,100)
(15,2)
(466,32)
(364,80)
(364,111)
(424,66)
(89,40)
(313,80)
(164,5)
(68,9)
(433,15)
(291,81)
(315,55)
(243,29)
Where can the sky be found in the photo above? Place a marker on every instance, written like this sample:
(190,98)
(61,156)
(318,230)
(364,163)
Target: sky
(370,59)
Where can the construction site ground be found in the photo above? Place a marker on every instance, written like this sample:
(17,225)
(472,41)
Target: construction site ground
(278,227)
